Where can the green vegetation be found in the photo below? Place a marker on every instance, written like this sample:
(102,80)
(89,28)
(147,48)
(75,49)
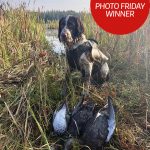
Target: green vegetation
(56,15)
(130,72)
(31,79)
(51,18)
(24,80)
(52,24)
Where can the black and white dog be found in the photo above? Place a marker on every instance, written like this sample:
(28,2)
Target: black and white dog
(82,54)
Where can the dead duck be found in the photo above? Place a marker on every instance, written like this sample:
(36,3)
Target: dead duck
(82,112)
(100,128)
(61,119)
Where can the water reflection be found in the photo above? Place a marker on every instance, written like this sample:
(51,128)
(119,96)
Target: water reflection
(51,36)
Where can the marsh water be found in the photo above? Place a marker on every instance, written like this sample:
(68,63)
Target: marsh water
(51,36)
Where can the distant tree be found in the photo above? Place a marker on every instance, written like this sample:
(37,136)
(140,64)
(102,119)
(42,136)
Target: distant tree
(56,15)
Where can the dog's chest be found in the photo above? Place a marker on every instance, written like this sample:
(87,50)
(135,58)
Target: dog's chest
(73,55)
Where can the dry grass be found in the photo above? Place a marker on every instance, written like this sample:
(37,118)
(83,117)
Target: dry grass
(53,24)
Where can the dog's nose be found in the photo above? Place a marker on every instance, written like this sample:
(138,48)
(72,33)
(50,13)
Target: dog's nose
(64,35)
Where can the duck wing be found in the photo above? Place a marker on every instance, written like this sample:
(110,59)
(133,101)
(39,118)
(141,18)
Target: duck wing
(111,119)
(96,131)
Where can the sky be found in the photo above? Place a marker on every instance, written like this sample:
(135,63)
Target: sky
(76,5)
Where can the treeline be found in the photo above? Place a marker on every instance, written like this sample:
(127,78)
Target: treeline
(56,15)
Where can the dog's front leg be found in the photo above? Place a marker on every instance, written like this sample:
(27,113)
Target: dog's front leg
(86,74)
(86,70)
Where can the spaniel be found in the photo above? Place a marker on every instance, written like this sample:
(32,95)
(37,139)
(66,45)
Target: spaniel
(82,54)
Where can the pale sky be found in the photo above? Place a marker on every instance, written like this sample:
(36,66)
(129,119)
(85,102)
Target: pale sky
(77,5)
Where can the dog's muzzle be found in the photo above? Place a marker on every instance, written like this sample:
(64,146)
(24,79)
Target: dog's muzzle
(66,36)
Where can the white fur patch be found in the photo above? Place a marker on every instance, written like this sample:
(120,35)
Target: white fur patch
(86,66)
(98,56)
(104,70)
(83,59)
(80,42)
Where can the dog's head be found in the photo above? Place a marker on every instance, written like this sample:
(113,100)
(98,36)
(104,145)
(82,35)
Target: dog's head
(70,29)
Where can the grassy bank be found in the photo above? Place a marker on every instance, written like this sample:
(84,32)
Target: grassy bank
(24,91)
(130,72)
(31,78)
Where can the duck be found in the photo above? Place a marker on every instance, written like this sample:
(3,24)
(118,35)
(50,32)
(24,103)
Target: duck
(81,113)
(61,119)
(100,128)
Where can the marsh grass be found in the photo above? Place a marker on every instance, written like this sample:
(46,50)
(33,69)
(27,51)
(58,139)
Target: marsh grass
(31,84)
(53,24)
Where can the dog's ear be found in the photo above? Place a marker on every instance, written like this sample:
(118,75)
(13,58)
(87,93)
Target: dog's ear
(59,28)
(80,27)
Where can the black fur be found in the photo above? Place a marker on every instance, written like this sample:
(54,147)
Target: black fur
(96,75)
(79,28)
(61,25)
(73,24)
(73,55)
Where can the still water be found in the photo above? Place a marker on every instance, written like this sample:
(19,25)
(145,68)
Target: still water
(51,36)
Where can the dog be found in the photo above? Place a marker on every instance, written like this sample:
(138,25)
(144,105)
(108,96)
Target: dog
(82,54)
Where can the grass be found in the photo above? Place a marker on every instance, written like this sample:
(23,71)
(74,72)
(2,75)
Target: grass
(31,84)
(53,24)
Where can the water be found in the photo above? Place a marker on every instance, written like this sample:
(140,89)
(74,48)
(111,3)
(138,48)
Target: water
(51,36)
